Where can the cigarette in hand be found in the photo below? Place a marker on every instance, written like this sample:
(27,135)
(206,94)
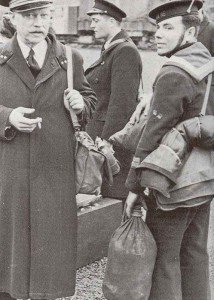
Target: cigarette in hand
(39,123)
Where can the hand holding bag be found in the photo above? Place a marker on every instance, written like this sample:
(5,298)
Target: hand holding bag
(91,164)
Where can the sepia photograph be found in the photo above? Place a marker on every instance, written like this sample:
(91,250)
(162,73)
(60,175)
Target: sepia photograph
(106,149)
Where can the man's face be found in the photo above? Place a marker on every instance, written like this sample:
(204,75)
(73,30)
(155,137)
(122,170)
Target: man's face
(100,24)
(169,35)
(32,26)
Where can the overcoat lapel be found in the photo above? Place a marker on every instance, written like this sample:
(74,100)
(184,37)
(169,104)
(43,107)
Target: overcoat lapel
(18,63)
(50,68)
(20,67)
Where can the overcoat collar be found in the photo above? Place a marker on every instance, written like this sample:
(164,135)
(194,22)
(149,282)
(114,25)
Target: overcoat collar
(123,36)
(12,55)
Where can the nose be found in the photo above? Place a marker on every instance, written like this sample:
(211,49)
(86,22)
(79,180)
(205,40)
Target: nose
(92,25)
(38,21)
(158,33)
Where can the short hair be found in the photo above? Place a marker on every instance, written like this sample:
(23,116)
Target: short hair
(110,17)
(7,29)
(192,21)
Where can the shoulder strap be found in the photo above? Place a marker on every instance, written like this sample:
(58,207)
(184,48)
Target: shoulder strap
(69,66)
(197,73)
(206,97)
(69,55)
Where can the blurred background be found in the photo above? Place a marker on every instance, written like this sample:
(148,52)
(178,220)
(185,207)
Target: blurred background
(71,24)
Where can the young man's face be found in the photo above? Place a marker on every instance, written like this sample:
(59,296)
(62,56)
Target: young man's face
(169,35)
(32,26)
(100,24)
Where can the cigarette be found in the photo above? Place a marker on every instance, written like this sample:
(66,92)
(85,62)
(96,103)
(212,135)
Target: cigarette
(39,125)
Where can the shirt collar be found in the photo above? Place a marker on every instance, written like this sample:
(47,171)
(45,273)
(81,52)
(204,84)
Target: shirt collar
(40,50)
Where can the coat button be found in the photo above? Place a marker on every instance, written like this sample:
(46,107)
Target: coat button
(96,80)
(102,63)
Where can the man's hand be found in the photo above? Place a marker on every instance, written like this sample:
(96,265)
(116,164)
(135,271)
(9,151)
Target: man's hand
(73,99)
(143,106)
(22,123)
(130,203)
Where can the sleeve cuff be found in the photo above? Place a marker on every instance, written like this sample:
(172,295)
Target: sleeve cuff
(10,133)
(7,132)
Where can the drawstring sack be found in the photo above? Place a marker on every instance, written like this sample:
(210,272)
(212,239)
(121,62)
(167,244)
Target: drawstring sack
(131,259)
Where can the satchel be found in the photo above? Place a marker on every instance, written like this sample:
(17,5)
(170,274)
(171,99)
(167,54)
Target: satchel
(196,177)
(91,161)
(131,259)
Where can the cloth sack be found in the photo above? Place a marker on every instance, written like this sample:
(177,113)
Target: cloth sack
(131,259)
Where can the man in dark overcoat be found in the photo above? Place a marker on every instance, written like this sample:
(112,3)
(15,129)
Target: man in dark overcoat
(38,215)
(115,77)
(181,232)
(206,37)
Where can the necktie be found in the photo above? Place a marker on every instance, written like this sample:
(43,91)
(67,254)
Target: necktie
(32,63)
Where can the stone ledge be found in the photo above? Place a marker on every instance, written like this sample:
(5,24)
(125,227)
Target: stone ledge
(95,227)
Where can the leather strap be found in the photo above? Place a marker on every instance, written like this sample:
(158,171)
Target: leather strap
(69,56)
(206,97)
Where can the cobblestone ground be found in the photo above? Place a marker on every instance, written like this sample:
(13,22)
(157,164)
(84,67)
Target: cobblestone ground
(211,249)
(89,279)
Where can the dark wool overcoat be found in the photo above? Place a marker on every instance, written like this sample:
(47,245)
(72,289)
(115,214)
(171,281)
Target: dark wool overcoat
(38,216)
(115,78)
(206,37)
(206,33)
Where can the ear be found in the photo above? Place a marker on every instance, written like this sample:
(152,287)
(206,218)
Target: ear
(112,21)
(13,19)
(190,34)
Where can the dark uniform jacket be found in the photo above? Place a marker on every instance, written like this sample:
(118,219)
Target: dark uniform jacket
(177,97)
(115,78)
(38,216)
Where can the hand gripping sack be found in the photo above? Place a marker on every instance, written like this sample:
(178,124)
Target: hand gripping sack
(128,138)
(90,163)
(90,166)
(131,259)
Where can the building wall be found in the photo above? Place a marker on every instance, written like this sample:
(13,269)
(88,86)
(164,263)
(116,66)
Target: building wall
(133,8)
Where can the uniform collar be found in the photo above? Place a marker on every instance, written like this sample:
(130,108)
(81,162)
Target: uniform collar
(108,42)
(121,35)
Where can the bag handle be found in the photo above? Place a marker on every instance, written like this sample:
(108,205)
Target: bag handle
(206,97)
(69,56)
